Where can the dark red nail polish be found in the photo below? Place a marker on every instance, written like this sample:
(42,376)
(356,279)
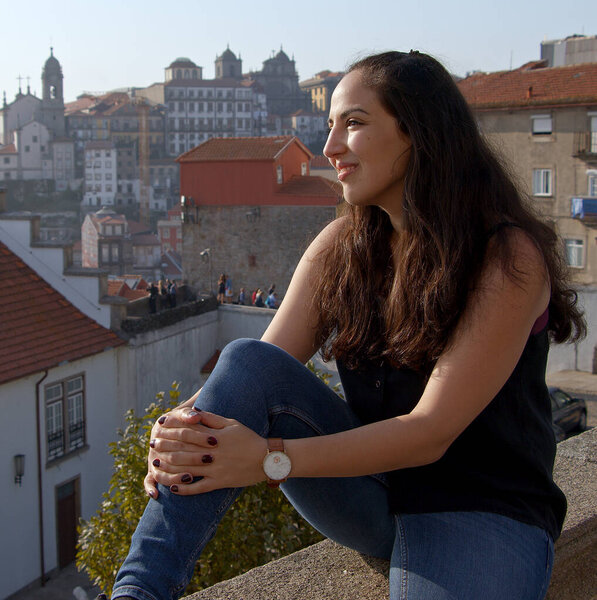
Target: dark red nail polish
(186,478)
(207,458)
(152,444)
(162,420)
(174,488)
(211,440)
(156,462)
(151,493)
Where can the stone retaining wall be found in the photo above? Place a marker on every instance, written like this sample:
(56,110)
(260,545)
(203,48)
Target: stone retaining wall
(327,571)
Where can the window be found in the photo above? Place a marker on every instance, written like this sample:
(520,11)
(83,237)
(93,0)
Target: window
(575,251)
(542,182)
(592,184)
(65,416)
(35,138)
(6,160)
(279,174)
(541,124)
(303,168)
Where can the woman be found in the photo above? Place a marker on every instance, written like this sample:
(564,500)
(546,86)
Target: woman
(221,288)
(436,295)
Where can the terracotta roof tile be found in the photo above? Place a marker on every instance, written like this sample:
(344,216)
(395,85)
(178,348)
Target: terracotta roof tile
(249,148)
(532,85)
(49,329)
(9,149)
(320,162)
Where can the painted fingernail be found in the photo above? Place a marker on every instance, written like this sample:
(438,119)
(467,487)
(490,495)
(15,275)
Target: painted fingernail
(156,462)
(207,458)
(174,488)
(152,444)
(162,420)
(186,478)
(211,440)
(151,493)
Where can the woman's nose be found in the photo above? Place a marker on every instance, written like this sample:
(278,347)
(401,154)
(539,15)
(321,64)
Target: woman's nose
(334,144)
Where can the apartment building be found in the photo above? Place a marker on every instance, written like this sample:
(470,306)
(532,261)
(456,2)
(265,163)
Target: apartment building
(544,122)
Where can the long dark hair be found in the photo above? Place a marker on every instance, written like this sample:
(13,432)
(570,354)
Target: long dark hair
(456,195)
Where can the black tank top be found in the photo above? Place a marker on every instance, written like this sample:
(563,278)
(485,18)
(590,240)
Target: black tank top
(501,463)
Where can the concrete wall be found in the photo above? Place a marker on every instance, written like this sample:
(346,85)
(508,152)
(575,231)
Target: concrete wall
(578,357)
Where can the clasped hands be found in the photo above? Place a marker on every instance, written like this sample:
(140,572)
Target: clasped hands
(188,443)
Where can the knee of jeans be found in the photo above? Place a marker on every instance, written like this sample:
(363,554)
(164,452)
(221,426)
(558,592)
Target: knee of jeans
(243,347)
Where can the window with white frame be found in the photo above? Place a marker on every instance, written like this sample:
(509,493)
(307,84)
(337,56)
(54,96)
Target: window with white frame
(592,184)
(541,124)
(542,182)
(575,253)
(65,416)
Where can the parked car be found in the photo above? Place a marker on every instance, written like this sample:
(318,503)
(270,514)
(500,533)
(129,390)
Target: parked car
(568,413)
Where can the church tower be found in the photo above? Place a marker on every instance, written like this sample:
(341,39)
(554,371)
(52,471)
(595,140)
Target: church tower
(227,65)
(51,112)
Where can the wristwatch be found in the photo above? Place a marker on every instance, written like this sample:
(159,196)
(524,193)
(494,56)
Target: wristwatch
(276,464)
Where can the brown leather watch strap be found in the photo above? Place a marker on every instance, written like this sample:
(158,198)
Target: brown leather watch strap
(275,444)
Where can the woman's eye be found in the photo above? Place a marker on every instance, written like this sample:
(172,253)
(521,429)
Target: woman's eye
(352,123)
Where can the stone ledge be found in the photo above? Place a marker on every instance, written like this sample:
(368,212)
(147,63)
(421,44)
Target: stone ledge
(328,571)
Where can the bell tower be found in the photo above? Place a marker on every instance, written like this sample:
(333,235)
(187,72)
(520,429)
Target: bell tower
(52,102)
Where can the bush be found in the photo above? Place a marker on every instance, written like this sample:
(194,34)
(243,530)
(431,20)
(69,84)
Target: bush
(259,527)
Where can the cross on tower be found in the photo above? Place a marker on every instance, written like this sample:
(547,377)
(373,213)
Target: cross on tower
(19,78)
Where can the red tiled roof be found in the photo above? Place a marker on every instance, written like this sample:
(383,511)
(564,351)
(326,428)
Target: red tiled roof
(40,327)
(99,145)
(249,148)
(320,162)
(532,85)
(10,149)
(311,185)
(210,365)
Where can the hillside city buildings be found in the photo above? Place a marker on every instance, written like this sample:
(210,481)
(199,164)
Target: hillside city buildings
(230,168)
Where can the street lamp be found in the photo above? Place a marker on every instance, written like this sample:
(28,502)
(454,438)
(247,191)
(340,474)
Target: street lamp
(206,257)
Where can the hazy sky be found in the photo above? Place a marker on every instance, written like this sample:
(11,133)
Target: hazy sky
(119,43)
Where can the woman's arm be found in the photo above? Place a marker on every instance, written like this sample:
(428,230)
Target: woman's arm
(485,348)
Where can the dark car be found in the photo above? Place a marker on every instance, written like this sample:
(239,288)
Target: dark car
(568,413)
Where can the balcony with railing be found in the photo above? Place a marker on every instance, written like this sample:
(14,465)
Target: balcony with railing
(585,145)
(584,209)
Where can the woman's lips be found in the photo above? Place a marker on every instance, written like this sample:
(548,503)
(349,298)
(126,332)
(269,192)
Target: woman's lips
(345,171)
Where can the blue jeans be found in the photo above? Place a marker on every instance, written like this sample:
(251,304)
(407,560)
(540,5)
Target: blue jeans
(439,556)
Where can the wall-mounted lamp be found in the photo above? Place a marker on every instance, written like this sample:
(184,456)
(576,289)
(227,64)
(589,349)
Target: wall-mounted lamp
(253,214)
(19,460)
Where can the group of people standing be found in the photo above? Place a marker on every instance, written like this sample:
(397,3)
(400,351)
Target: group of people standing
(258,297)
(162,295)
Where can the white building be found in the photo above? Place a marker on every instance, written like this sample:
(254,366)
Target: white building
(100,174)
(54,383)
(199,109)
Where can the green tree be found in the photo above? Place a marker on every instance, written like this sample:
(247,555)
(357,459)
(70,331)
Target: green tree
(259,527)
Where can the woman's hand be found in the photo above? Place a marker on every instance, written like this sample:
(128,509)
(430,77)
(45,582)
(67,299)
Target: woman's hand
(186,444)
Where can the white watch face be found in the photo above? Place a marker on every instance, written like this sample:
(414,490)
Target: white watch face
(276,465)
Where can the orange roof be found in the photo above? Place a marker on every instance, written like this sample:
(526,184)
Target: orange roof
(311,185)
(246,148)
(10,149)
(532,85)
(49,329)
(320,162)
(210,365)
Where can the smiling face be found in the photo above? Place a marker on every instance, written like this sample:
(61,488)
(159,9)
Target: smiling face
(367,148)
